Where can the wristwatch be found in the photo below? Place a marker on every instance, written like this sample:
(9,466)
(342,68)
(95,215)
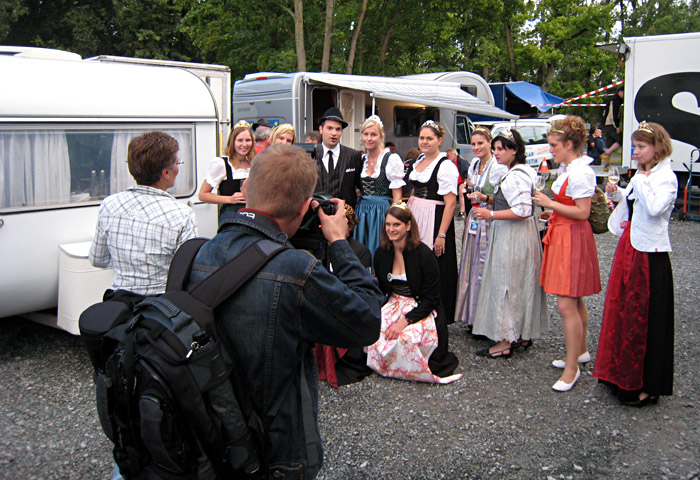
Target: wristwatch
(442,235)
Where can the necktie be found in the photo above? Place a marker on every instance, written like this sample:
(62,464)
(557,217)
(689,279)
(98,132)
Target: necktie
(330,162)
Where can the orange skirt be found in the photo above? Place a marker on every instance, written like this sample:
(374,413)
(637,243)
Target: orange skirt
(570,260)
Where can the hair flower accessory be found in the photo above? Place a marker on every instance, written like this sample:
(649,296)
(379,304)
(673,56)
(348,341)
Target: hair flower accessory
(431,124)
(644,127)
(242,123)
(376,119)
(507,133)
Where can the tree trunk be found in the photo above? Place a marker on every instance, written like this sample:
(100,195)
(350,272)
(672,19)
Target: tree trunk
(387,36)
(326,60)
(385,43)
(299,34)
(355,37)
(511,54)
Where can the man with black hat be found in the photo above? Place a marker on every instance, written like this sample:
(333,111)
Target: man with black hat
(339,167)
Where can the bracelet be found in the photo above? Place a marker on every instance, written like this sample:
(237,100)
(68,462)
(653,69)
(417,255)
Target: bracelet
(442,235)
(492,214)
(487,199)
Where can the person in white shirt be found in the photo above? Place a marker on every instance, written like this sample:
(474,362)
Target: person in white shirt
(635,349)
(227,174)
(382,181)
(512,307)
(485,173)
(434,179)
(570,261)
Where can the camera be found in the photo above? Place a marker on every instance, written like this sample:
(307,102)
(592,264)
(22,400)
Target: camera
(309,236)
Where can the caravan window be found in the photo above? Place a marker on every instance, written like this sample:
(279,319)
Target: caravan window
(65,165)
(462,127)
(407,120)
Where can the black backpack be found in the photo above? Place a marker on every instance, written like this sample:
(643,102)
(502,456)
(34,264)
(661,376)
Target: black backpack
(170,395)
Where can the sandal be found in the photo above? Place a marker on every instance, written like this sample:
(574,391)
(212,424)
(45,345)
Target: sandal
(497,354)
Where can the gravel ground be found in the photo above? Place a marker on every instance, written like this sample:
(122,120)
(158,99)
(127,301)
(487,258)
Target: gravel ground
(501,421)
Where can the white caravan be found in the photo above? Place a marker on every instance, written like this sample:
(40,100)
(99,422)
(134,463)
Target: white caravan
(403,104)
(64,130)
(662,84)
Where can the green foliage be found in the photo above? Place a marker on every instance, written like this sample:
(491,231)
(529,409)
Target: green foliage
(548,42)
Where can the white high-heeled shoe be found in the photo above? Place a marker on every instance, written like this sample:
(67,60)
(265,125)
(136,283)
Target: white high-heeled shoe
(562,386)
(585,357)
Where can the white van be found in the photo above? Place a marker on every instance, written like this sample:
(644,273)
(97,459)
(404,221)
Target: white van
(403,104)
(534,133)
(64,130)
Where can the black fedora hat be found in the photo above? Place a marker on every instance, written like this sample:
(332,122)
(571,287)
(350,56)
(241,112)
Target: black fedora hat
(333,114)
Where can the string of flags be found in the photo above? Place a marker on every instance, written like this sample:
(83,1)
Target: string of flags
(593,93)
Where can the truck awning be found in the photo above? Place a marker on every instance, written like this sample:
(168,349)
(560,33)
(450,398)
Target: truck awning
(432,94)
(534,95)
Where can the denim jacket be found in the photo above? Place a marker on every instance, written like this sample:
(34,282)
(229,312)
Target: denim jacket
(274,320)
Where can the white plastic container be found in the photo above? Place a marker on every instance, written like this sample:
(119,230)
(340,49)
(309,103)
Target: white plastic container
(79,284)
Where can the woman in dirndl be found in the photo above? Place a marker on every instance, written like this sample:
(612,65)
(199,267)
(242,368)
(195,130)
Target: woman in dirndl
(570,260)
(227,174)
(413,343)
(635,348)
(382,182)
(485,173)
(512,307)
(434,179)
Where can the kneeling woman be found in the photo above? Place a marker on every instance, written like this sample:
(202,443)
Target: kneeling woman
(413,343)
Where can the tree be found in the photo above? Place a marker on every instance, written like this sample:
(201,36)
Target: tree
(356,35)
(327,29)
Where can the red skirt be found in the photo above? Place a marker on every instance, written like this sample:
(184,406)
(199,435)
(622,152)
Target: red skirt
(623,334)
(570,259)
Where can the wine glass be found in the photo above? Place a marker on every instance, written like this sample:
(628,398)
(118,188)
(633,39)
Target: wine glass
(475,201)
(540,183)
(614,175)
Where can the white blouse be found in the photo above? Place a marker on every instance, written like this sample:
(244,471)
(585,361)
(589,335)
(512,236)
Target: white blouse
(582,181)
(394,169)
(496,173)
(447,176)
(217,172)
(654,197)
(517,188)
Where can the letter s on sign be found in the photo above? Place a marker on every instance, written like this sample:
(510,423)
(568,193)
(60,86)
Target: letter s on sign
(654,103)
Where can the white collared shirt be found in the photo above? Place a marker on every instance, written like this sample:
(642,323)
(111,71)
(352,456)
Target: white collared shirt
(336,155)
(516,186)
(582,181)
(654,197)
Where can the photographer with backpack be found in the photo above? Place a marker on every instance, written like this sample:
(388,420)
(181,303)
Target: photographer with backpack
(293,302)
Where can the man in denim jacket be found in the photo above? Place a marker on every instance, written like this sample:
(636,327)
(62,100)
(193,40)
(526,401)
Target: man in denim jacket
(292,303)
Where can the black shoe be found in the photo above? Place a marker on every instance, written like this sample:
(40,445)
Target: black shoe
(639,403)
(497,354)
(522,343)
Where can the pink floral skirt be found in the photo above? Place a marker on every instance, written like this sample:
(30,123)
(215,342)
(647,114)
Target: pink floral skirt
(406,357)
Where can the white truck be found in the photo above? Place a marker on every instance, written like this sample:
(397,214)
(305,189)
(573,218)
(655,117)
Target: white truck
(402,103)
(662,84)
(64,130)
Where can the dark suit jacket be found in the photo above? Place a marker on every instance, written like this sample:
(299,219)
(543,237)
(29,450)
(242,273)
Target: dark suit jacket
(346,174)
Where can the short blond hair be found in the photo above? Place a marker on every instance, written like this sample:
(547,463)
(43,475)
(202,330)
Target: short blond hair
(280,130)
(280,180)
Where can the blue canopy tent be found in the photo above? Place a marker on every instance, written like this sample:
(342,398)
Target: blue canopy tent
(517,98)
